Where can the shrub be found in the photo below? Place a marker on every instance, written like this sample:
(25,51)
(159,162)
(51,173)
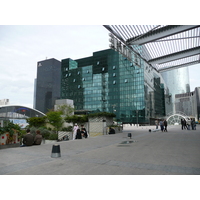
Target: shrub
(53,136)
(102,114)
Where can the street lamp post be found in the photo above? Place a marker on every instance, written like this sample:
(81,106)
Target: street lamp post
(137,117)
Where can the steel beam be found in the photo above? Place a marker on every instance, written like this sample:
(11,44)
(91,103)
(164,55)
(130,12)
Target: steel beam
(159,34)
(178,66)
(175,56)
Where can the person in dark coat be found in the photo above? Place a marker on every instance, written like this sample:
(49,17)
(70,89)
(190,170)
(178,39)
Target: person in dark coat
(28,139)
(182,123)
(83,131)
(165,125)
(78,134)
(185,124)
(38,138)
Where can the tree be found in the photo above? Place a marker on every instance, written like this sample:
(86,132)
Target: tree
(66,110)
(76,119)
(36,121)
(55,119)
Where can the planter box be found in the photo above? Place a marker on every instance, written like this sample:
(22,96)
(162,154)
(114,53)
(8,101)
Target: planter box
(9,146)
(5,136)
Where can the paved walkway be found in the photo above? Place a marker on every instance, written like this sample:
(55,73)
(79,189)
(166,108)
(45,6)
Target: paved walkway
(147,153)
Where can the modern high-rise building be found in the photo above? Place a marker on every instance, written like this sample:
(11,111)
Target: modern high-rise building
(108,81)
(189,103)
(177,81)
(47,84)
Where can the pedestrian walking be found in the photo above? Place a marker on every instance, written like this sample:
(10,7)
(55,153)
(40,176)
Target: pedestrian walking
(165,125)
(75,128)
(156,123)
(182,123)
(161,125)
(192,124)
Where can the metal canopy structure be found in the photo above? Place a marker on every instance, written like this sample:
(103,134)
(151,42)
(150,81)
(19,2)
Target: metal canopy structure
(164,47)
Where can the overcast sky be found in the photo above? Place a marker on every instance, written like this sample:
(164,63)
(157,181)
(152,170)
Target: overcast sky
(21,47)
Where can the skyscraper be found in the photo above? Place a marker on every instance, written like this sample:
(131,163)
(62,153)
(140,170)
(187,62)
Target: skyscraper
(47,85)
(177,81)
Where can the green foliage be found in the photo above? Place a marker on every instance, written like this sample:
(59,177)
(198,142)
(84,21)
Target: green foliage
(102,114)
(66,110)
(55,119)
(53,136)
(68,129)
(76,119)
(45,132)
(21,134)
(36,121)
(11,128)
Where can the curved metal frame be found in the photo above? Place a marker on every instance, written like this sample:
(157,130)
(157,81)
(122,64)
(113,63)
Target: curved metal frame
(163,46)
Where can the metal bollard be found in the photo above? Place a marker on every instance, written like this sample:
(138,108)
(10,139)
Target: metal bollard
(129,135)
(55,151)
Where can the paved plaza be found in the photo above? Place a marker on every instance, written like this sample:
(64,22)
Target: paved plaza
(175,152)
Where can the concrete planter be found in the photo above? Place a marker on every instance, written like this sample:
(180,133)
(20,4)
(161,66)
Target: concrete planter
(4,139)
(97,125)
(9,146)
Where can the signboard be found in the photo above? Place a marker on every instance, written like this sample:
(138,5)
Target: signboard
(21,122)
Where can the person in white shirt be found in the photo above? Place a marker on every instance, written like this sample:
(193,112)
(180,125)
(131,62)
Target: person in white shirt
(75,131)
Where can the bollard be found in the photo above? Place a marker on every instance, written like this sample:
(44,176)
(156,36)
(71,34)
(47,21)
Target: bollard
(55,151)
(149,130)
(129,135)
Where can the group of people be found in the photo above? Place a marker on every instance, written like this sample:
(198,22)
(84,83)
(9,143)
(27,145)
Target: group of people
(79,133)
(163,125)
(186,125)
(30,140)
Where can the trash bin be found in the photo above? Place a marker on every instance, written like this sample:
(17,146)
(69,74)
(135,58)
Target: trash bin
(55,151)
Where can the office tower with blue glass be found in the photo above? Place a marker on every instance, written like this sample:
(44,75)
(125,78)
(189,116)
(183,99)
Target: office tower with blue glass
(109,82)
(47,84)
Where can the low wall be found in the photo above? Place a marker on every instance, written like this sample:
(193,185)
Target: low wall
(61,134)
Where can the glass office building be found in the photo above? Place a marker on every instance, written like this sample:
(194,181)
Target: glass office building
(109,82)
(177,81)
(47,84)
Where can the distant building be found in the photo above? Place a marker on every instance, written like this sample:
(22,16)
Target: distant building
(47,84)
(17,114)
(61,102)
(109,82)
(189,103)
(4,102)
(177,81)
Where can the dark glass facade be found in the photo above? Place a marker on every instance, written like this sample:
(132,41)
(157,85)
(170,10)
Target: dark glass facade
(47,87)
(109,82)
